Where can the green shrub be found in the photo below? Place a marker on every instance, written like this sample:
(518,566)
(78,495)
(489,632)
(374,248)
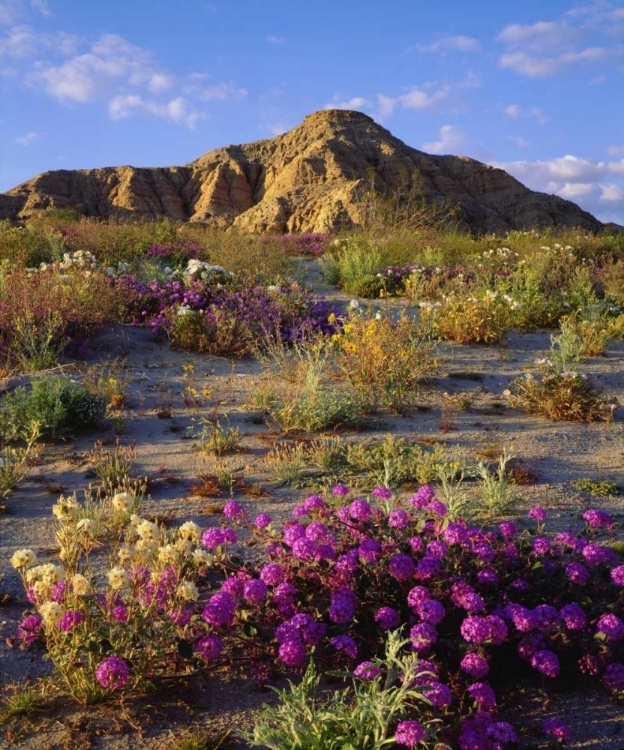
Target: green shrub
(58,406)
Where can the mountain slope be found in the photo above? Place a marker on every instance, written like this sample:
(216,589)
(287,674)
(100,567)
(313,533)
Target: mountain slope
(306,180)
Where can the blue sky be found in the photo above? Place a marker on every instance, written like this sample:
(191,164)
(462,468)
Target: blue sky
(536,88)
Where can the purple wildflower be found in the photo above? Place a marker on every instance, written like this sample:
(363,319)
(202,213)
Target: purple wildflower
(220,609)
(537,514)
(483,695)
(557,729)
(70,620)
(345,643)
(232,509)
(611,626)
(360,510)
(272,574)
(545,662)
(387,618)
(617,575)
(367,671)
(255,591)
(577,573)
(409,733)
(597,518)
(423,636)
(439,694)
(573,616)
(614,677)
(340,490)
(210,646)
(475,665)
(292,652)
(262,521)
(398,519)
(401,566)
(30,629)
(112,673)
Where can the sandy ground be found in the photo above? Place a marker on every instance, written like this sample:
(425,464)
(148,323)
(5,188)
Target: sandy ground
(556,453)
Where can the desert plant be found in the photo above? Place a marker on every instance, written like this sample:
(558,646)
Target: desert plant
(58,405)
(565,395)
(466,319)
(288,463)
(379,710)
(350,261)
(598,487)
(384,360)
(218,436)
(113,467)
(15,463)
(495,492)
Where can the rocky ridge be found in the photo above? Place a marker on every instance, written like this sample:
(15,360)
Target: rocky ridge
(309,179)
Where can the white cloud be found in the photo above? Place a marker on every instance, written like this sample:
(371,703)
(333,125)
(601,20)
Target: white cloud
(222,92)
(538,37)
(130,81)
(612,193)
(421,100)
(27,139)
(512,110)
(385,106)
(273,39)
(616,167)
(549,47)
(356,103)
(179,110)
(615,150)
(451,140)
(595,185)
(22,42)
(458,43)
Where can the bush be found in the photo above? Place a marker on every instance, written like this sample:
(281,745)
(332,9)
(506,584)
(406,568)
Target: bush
(57,405)
(470,319)
(384,360)
(565,395)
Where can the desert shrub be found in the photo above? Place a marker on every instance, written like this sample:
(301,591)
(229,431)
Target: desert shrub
(42,312)
(383,360)
(312,407)
(394,462)
(470,319)
(133,623)
(380,707)
(559,395)
(433,283)
(598,487)
(224,318)
(57,405)
(350,261)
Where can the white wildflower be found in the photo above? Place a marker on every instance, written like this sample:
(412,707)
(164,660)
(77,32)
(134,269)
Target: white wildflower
(187,591)
(122,502)
(51,612)
(23,558)
(118,578)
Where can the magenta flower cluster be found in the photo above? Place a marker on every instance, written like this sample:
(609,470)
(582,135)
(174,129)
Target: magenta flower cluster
(340,576)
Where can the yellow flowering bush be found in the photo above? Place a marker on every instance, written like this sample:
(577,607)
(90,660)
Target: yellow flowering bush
(471,319)
(384,359)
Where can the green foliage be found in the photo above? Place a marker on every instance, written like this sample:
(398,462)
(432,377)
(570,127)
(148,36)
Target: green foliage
(394,461)
(57,405)
(598,487)
(15,463)
(218,436)
(350,261)
(361,717)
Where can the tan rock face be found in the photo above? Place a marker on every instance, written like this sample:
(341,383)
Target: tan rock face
(307,180)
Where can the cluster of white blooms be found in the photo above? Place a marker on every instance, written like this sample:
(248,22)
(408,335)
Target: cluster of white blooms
(199,269)
(23,558)
(66,508)
(122,502)
(117,270)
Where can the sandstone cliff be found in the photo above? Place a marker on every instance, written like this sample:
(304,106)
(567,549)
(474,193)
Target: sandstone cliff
(306,180)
